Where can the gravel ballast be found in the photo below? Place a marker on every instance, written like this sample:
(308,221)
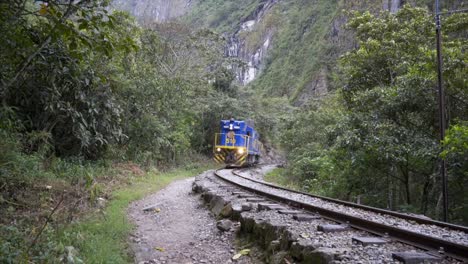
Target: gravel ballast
(284,238)
(455,236)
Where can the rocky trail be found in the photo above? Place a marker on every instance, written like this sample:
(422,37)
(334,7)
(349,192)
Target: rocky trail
(173,226)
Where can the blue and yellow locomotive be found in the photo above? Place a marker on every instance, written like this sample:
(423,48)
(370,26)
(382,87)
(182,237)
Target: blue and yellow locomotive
(237,144)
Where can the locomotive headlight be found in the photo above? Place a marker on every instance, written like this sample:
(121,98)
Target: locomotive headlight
(218,149)
(240,151)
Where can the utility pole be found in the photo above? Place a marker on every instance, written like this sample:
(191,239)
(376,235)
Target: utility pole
(442,121)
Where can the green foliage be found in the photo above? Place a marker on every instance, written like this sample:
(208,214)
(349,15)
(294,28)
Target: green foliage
(96,85)
(221,15)
(309,139)
(14,246)
(456,140)
(51,75)
(456,154)
(279,176)
(104,239)
(101,238)
(168,91)
(300,47)
(376,141)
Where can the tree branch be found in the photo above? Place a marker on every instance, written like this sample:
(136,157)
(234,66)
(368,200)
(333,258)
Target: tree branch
(49,217)
(29,59)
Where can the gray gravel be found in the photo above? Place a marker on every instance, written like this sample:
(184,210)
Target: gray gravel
(183,231)
(429,230)
(339,244)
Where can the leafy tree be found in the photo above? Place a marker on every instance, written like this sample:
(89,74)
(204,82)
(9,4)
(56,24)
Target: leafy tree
(381,141)
(51,74)
(390,92)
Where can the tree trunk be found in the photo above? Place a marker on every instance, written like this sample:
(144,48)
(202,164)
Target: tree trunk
(407,189)
(389,192)
(406,182)
(438,205)
(425,195)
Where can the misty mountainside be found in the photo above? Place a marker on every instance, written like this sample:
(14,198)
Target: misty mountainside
(289,47)
(153,10)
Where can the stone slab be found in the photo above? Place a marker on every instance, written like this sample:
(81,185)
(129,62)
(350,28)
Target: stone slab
(365,241)
(333,228)
(150,208)
(305,217)
(255,200)
(289,212)
(268,207)
(226,211)
(228,189)
(224,225)
(236,212)
(208,196)
(237,208)
(237,193)
(217,204)
(246,206)
(415,257)
(324,255)
(246,196)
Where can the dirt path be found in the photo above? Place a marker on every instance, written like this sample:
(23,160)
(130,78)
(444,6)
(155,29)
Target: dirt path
(183,231)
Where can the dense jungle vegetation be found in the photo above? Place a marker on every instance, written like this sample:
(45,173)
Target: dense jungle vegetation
(83,92)
(375,137)
(87,93)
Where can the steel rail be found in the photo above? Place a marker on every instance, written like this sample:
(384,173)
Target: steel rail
(433,245)
(364,207)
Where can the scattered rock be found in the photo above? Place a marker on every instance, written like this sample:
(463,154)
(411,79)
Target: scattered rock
(184,228)
(150,208)
(226,211)
(224,225)
(246,206)
(101,202)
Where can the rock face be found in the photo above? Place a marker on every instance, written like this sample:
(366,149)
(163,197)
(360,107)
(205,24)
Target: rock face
(148,12)
(224,225)
(253,38)
(391,5)
(251,55)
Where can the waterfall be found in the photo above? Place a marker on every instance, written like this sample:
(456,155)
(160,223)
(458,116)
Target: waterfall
(236,47)
(395,6)
(391,5)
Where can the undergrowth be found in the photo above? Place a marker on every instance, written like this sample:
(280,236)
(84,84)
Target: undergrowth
(53,209)
(103,237)
(278,176)
(97,235)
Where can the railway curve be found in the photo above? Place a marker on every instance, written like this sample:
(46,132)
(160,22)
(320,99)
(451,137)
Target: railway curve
(438,238)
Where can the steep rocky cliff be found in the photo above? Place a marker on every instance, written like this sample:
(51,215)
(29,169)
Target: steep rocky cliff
(252,54)
(150,11)
(288,47)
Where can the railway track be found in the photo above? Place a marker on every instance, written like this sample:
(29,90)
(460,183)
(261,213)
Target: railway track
(438,238)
